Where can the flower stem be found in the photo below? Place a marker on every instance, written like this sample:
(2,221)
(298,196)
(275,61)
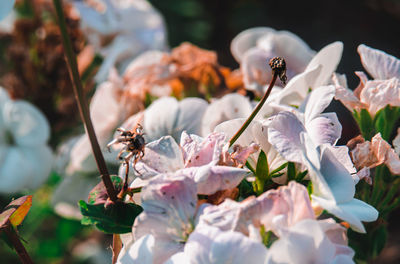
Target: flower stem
(82,105)
(255,111)
(18,246)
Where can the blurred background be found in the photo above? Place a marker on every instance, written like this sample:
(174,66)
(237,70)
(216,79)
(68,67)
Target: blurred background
(209,24)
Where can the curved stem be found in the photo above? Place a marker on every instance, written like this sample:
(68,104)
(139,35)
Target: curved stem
(255,111)
(82,105)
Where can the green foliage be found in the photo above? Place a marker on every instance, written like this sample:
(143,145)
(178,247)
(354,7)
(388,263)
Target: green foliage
(116,218)
(383,122)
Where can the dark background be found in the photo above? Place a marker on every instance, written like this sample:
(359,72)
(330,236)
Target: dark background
(212,24)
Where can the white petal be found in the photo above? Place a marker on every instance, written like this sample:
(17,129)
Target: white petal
(292,48)
(161,156)
(209,244)
(352,212)
(284,134)
(229,107)
(317,101)
(325,128)
(299,240)
(329,57)
(139,252)
(14,171)
(297,88)
(211,179)
(189,116)
(246,40)
(27,124)
(379,64)
(160,117)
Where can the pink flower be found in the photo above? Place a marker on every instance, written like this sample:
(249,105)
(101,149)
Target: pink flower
(376,94)
(326,243)
(374,153)
(198,158)
(274,209)
(168,218)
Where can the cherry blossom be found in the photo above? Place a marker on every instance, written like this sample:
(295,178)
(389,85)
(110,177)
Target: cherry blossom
(25,157)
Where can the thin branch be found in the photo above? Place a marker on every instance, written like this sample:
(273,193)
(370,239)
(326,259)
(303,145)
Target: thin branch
(278,66)
(255,111)
(16,242)
(82,104)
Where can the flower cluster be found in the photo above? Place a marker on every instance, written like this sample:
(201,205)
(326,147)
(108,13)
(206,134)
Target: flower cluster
(285,192)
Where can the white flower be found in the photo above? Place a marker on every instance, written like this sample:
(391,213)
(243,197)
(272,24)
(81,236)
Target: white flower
(133,26)
(333,186)
(254,47)
(311,241)
(25,157)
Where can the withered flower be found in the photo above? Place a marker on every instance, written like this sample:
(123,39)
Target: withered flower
(41,75)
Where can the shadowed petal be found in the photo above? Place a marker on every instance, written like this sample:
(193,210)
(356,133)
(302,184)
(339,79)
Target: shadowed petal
(379,64)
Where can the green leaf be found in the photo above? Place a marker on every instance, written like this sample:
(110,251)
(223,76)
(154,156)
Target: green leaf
(262,166)
(301,176)
(366,124)
(116,218)
(250,168)
(279,168)
(291,171)
(309,188)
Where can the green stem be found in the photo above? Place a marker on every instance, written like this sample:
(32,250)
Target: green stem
(255,111)
(82,105)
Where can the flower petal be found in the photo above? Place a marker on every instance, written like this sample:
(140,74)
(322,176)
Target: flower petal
(246,40)
(229,107)
(325,128)
(27,124)
(379,64)
(284,134)
(297,88)
(211,179)
(329,57)
(317,101)
(161,156)
(352,212)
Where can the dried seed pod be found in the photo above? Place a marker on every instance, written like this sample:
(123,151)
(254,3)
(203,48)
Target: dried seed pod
(278,66)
